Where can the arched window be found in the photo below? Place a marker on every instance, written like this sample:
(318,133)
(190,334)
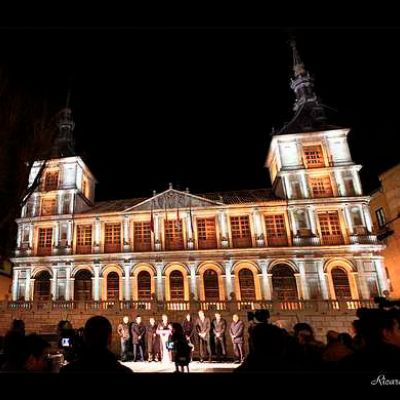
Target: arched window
(284,283)
(246,283)
(112,286)
(211,287)
(83,285)
(341,283)
(144,285)
(42,286)
(176,286)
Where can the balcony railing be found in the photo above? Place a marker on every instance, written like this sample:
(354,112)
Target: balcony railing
(207,244)
(277,241)
(363,239)
(332,240)
(242,242)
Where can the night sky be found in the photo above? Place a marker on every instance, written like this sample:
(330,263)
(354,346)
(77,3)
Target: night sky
(196,106)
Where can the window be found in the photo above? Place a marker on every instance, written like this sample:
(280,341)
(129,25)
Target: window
(176,286)
(246,284)
(48,207)
(66,204)
(380,216)
(241,235)
(211,288)
(321,186)
(173,235)
(83,285)
(206,233)
(372,287)
(30,208)
(144,285)
(296,190)
(330,228)
(51,181)
(349,186)
(142,236)
(341,284)
(42,286)
(112,286)
(313,156)
(276,230)
(84,239)
(25,236)
(112,238)
(45,241)
(284,283)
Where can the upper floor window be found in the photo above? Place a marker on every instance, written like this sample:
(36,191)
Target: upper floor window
(84,239)
(241,235)
(380,216)
(45,241)
(321,186)
(48,207)
(206,233)
(173,235)
(66,204)
(51,181)
(313,156)
(142,236)
(276,230)
(330,228)
(112,238)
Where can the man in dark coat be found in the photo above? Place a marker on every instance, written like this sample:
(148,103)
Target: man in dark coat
(152,341)
(138,331)
(237,335)
(123,333)
(219,328)
(203,331)
(96,356)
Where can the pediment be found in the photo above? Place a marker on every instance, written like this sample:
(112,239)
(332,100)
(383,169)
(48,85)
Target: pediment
(172,199)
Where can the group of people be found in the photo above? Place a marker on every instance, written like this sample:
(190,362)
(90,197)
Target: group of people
(157,341)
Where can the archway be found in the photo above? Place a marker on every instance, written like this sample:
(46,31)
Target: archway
(42,286)
(284,283)
(144,285)
(83,285)
(246,284)
(341,284)
(176,286)
(211,285)
(112,286)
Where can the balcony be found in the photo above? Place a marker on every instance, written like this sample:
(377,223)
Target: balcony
(241,243)
(277,241)
(83,249)
(205,244)
(332,240)
(363,239)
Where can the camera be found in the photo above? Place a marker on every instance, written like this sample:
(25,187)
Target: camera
(66,342)
(170,345)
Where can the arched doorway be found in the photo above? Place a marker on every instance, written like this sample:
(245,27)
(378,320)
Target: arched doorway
(83,285)
(144,285)
(341,284)
(284,283)
(211,287)
(42,285)
(112,286)
(176,286)
(246,284)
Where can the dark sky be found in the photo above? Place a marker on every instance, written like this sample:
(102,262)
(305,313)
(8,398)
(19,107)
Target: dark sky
(195,106)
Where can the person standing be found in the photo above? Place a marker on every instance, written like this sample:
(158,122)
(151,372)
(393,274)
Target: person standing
(237,335)
(138,331)
(189,332)
(219,328)
(123,333)
(203,331)
(164,332)
(152,341)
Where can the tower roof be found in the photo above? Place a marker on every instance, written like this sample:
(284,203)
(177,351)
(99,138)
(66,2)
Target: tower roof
(309,112)
(64,144)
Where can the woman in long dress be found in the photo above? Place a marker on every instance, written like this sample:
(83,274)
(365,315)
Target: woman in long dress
(164,331)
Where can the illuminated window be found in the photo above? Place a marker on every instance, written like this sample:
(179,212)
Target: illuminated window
(142,236)
(112,238)
(144,285)
(176,286)
(83,285)
(341,284)
(330,228)
(66,204)
(321,186)
(206,233)
(313,156)
(211,287)
(173,235)
(42,286)
(276,230)
(112,286)
(25,236)
(241,235)
(45,241)
(246,284)
(84,239)
(283,283)
(380,215)
(48,207)
(51,181)
(372,287)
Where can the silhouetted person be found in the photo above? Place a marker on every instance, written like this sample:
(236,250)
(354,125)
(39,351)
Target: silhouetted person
(181,353)
(96,356)
(339,346)
(14,347)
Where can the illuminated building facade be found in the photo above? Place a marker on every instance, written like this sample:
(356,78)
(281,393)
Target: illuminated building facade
(310,237)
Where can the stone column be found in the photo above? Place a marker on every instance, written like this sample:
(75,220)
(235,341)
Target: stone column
(96,283)
(367,217)
(28,293)
(312,219)
(348,219)
(159,278)
(125,230)
(69,234)
(97,232)
(14,293)
(381,274)
(193,281)
(304,185)
(299,286)
(229,284)
(157,231)
(340,183)
(293,221)
(265,282)
(362,281)
(357,183)
(303,281)
(31,235)
(19,235)
(68,283)
(53,281)
(127,286)
(322,281)
(189,231)
(258,230)
(223,228)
